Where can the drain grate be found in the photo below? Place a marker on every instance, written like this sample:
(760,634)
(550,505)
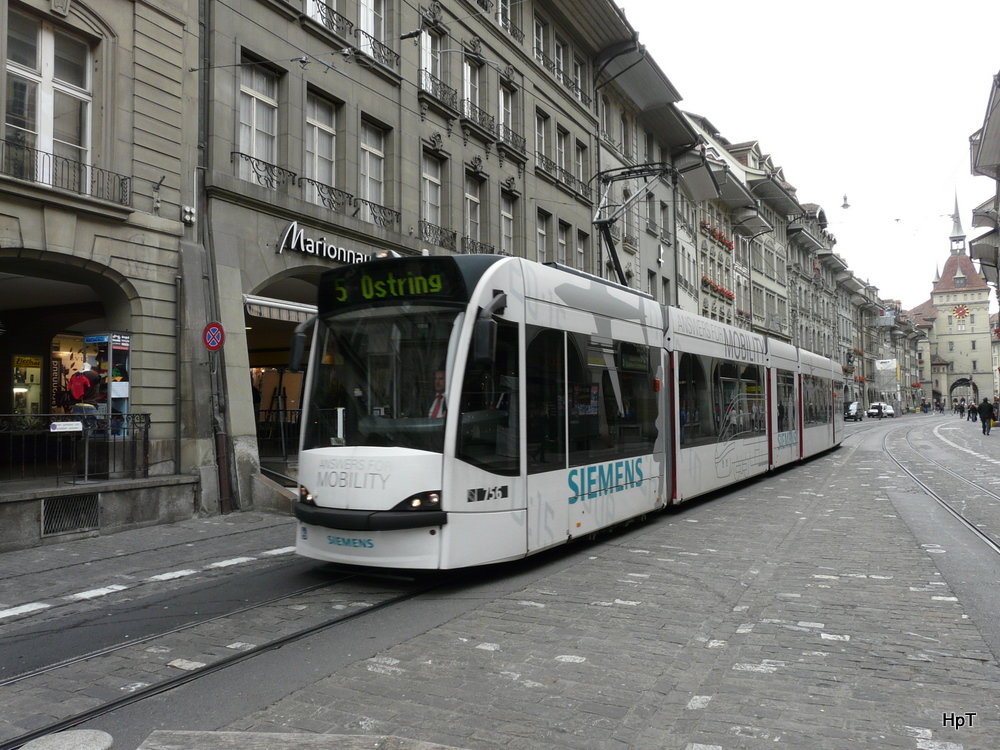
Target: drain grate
(64,515)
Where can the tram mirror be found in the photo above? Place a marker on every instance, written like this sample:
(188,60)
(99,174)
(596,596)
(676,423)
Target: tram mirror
(484,340)
(299,345)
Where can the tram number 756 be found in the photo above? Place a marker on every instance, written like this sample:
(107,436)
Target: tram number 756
(481,494)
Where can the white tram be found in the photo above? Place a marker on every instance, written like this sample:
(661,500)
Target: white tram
(570,404)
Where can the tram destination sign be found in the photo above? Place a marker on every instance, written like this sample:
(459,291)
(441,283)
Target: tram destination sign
(387,282)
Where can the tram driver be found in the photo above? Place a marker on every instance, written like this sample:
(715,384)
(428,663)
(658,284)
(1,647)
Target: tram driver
(437,408)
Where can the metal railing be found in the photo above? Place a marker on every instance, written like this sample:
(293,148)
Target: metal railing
(512,139)
(73,448)
(509,26)
(475,247)
(478,115)
(438,88)
(278,433)
(332,20)
(376,50)
(438,235)
(374,213)
(25,163)
(327,195)
(267,175)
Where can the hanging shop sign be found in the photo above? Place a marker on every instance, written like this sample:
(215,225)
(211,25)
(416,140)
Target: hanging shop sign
(294,239)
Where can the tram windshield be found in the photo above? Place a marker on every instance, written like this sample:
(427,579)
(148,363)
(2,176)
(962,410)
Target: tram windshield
(378,372)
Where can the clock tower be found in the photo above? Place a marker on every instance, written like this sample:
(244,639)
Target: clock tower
(959,338)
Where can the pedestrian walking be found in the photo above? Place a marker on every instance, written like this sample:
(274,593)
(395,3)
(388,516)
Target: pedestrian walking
(986,415)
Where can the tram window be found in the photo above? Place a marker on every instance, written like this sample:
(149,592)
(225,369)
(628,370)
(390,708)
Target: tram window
(612,405)
(488,434)
(545,399)
(817,401)
(698,422)
(720,400)
(378,365)
(787,408)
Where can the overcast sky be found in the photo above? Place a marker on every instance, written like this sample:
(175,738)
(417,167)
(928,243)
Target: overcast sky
(874,100)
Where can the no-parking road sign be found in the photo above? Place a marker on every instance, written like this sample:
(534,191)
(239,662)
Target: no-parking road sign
(214,337)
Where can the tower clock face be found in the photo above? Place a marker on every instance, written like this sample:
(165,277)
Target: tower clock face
(961,311)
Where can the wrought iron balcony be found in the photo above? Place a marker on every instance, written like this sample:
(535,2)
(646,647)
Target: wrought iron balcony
(331,197)
(479,116)
(332,20)
(578,91)
(507,25)
(573,182)
(376,50)
(610,140)
(25,163)
(547,62)
(373,213)
(438,235)
(267,175)
(438,89)
(512,139)
(475,247)
(546,164)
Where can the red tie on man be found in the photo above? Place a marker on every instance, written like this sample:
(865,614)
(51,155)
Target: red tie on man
(436,409)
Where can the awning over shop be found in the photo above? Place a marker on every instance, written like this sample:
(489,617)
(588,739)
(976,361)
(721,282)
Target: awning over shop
(277,309)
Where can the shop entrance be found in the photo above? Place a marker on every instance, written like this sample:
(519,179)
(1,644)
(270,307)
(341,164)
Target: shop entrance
(271,317)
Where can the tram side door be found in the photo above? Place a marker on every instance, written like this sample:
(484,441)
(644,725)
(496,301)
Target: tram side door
(545,422)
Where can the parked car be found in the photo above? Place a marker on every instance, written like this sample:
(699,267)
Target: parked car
(853,412)
(873,410)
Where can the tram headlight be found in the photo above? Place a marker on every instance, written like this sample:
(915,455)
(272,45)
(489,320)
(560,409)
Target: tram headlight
(430,500)
(305,496)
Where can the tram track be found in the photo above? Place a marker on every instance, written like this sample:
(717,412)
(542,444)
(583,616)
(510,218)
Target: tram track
(193,650)
(935,488)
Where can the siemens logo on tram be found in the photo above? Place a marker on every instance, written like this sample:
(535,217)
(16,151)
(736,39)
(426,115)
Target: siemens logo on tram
(346,541)
(589,482)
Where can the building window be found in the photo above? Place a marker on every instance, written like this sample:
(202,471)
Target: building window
(559,59)
(471,74)
(508,206)
(578,80)
(258,119)
(562,242)
(607,131)
(48,103)
(580,163)
(321,144)
(430,53)
(562,141)
(583,260)
(542,237)
(372,19)
(541,32)
(371,169)
(541,130)
(430,210)
(473,204)
(506,109)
